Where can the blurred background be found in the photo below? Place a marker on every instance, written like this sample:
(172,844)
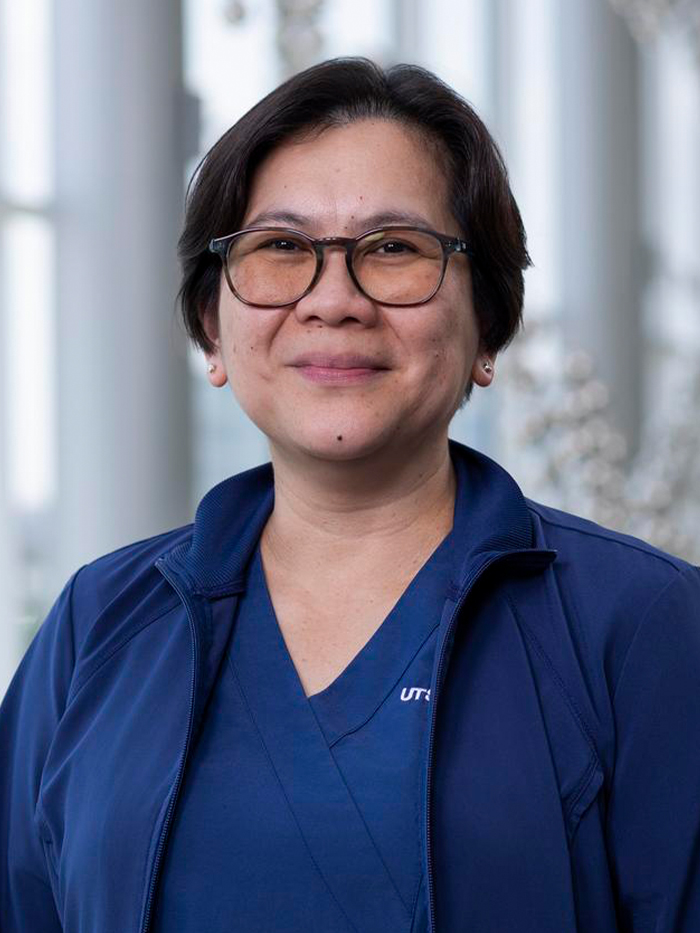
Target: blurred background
(109,431)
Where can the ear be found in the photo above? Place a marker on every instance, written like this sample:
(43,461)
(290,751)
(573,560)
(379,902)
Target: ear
(484,368)
(216,371)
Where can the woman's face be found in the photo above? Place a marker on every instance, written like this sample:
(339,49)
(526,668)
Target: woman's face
(337,375)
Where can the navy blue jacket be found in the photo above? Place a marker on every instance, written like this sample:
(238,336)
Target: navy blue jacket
(563,784)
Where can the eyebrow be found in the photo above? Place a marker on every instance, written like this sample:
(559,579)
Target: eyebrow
(367,222)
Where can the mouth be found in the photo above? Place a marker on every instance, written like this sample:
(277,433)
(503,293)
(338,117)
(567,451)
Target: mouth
(338,369)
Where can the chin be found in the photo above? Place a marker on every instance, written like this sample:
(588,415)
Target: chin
(336,444)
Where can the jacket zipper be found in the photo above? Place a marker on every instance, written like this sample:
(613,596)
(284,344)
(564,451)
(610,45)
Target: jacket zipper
(447,640)
(183,755)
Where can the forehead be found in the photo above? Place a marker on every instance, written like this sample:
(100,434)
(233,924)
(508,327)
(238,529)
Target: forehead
(350,178)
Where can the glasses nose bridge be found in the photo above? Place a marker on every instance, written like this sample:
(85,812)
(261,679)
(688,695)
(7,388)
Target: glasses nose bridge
(344,243)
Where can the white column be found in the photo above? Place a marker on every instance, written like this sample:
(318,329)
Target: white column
(9,601)
(122,369)
(408,30)
(26,345)
(599,205)
(672,203)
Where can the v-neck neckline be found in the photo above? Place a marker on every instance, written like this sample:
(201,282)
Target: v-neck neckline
(359,690)
(370,677)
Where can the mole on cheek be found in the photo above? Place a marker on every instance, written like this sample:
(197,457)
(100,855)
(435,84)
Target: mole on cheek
(339,437)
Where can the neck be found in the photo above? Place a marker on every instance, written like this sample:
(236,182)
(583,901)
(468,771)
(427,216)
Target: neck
(394,508)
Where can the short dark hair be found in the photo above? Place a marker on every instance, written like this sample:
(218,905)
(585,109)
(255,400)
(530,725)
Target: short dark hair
(342,91)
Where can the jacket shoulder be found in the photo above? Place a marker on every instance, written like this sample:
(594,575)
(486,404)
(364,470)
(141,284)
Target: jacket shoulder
(609,584)
(572,535)
(123,581)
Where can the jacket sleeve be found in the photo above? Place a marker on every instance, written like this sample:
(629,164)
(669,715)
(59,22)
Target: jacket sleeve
(654,804)
(32,708)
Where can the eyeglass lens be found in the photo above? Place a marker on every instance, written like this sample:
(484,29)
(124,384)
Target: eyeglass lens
(274,267)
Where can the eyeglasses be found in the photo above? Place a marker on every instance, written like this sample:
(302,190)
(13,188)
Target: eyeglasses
(272,267)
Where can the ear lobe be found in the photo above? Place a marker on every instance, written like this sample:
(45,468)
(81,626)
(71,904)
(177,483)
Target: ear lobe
(216,374)
(216,371)
(483,370)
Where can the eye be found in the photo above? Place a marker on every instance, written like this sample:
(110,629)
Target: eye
(281,244)
(389,247)
(394,247)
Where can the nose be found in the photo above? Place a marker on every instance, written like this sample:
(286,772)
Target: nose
(335,298)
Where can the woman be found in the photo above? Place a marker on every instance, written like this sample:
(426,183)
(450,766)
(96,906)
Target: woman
(371,688)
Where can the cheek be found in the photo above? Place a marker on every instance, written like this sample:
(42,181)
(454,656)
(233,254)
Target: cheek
(248,341)
(243,337)
(451,351)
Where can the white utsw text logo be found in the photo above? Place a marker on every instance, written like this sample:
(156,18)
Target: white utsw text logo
(414,693)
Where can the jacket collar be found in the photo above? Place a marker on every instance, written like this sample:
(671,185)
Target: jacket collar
(232,515)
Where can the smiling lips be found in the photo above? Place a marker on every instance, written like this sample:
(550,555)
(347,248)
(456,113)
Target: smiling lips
(337,369)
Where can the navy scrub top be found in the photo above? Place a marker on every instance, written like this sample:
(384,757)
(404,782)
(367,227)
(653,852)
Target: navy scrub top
(306,813)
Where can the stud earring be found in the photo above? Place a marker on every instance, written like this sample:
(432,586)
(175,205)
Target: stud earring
(488,366)
(211,368)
